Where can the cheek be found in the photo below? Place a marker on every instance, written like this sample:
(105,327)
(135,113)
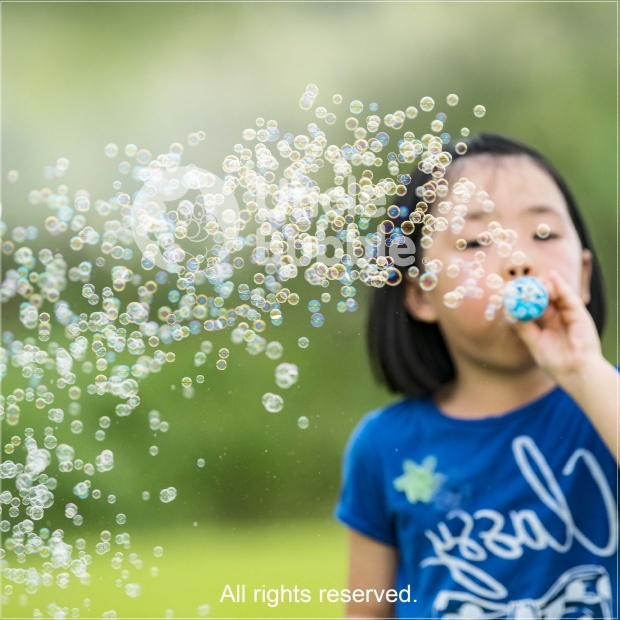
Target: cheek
(566,258)
(468,317)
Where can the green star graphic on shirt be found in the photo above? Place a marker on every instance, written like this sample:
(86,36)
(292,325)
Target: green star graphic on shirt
(419,482)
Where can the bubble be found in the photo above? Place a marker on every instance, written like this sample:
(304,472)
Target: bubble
(386,227)
(167,495)
(488,206)
(200,462)
(434,265)
(411,112)
(543,231)
(111,150)
(426,241)
(158,552)
(317,319)
(221,364)
(337,99)
(286,375)
(305,103)
(480,111)
(394,277)
(274,350)
(145,495)
(133,590)
(303,342)
(121,519)
(12,176)
(407,227)
(272,402)
(504,249)
(460,148)
(70,510)
(303,422)
(436,126)
(224,353)
(320,112)
(517,258)
(460,244)
(383,138)
(143,156)
(428,281)
(427,104)
(153,450)
(465,132)
(484,238)
(356,106)
(494,281)
(452,271)
(452,100)
(452,299)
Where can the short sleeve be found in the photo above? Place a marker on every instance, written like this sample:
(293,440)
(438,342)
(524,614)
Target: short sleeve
(362,502)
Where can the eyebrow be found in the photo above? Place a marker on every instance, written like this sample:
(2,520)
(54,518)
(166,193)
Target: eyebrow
(541,209)
(534,209)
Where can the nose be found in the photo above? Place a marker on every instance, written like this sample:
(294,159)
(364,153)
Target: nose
(516,271)
(511,270)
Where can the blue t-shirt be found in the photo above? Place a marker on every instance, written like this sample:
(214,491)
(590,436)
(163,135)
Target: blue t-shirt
(513,516)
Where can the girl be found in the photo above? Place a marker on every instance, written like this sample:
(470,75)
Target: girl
(490,490)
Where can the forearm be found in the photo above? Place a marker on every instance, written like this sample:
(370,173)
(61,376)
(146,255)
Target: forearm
(595,390)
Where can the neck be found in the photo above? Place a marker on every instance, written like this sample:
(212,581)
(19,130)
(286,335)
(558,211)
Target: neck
(481,390)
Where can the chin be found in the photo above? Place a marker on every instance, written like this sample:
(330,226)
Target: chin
(513,356)
(502,349)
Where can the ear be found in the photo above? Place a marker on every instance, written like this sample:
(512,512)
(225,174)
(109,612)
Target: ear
(417,302)
(586,275)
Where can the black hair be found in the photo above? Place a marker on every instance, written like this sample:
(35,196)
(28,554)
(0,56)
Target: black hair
(410,356)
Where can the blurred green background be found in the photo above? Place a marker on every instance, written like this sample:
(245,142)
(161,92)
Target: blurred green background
(76,76)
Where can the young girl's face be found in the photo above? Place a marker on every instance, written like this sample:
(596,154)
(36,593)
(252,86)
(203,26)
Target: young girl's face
(525,196)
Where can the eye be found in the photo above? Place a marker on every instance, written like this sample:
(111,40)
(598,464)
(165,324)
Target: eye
(473,244)
(545,238)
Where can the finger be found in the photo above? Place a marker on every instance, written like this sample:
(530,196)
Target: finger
(566,299)
(549,317)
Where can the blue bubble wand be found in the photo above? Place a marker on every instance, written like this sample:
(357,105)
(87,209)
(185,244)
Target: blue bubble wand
(526,298)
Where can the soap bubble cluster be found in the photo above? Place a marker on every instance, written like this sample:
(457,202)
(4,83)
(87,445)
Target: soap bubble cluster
(167,495)
(184,254)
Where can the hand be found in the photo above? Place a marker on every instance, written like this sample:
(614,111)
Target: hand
(564,341)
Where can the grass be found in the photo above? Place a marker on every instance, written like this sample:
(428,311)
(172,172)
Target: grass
(196,567)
